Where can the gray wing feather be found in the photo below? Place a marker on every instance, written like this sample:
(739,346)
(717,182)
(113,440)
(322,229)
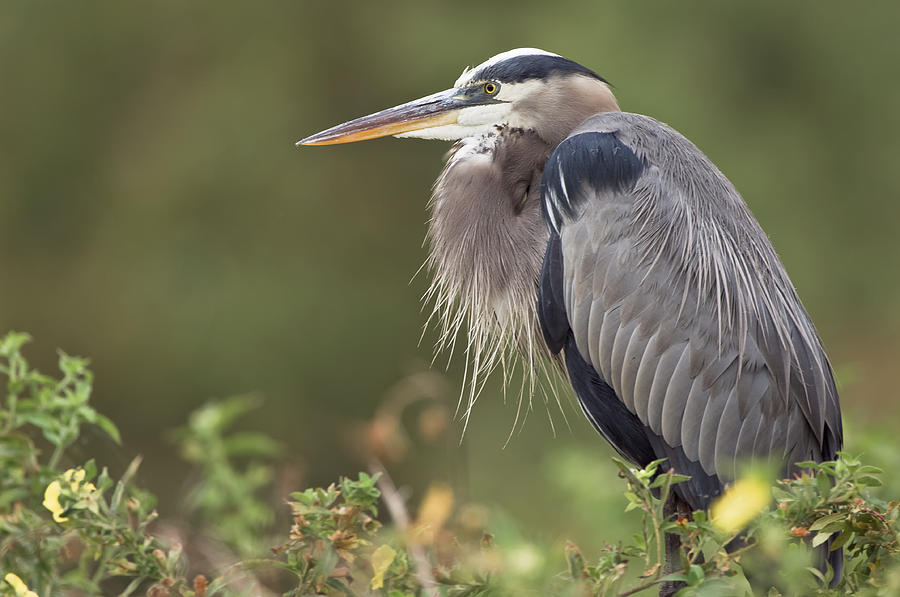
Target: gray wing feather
(678,301)
(613,376)
(772,436)
(728,431)
(712,415)
(692,416)
(747,436)
(612,322)
(659,384)
(633,355)
(678,387)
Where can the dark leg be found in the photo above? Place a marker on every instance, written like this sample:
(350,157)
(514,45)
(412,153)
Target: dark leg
(677,507)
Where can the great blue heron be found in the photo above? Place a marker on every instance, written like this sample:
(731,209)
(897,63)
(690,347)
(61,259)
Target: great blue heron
(617,242)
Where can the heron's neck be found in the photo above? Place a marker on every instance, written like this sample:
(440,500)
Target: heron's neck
(571,101)
(486,239)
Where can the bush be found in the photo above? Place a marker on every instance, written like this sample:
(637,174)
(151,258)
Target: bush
(78,531)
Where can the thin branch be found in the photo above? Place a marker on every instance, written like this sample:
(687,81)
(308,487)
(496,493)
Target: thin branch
(647,585)
(396,505)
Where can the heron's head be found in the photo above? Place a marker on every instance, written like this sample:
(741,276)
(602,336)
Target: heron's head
(525,88)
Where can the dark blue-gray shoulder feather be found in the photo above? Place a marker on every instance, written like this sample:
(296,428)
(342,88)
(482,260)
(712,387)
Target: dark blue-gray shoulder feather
(596,161)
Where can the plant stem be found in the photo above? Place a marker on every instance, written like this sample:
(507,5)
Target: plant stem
(397,508)
(101,566)
(57,453)
(646,585)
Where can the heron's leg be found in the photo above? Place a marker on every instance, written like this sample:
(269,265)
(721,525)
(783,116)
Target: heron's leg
(674,506)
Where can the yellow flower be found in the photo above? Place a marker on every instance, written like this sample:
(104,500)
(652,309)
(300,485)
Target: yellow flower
(741,503)
(73,483)
(74,477)
(382,558)
(18,586)
(51,501)
(525,559)
(436,507)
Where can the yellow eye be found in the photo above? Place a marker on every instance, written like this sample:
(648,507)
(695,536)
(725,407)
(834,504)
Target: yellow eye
(491,88)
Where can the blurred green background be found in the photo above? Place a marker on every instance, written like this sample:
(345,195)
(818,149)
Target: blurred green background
(156,216)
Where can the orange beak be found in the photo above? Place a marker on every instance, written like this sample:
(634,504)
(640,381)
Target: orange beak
(439,109)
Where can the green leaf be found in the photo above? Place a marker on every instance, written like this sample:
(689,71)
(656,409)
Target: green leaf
(12,343)
(821,523)
(12,495)
(129,474)
(72,365)
(337,585)
(106,424)
(824,484)
(307,498)
(633,501)
(41,420)
(821,538)
(842,539)
(326,562)
(695,574)
(132,586)
(90,470)
(659,481)
(808,464)
(251,443)
(869,481)
(214,417)
(817,573)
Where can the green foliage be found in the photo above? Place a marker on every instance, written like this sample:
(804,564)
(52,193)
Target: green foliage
(831,502)
(832,508)
(227,502)
(79,531)
(330,527)
(57,408)
(63,532)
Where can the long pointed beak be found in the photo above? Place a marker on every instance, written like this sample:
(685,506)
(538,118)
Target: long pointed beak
(438,109)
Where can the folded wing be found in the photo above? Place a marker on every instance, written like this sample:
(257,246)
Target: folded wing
(682,334)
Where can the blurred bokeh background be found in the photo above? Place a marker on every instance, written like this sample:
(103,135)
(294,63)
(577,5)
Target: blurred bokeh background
(156,217)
